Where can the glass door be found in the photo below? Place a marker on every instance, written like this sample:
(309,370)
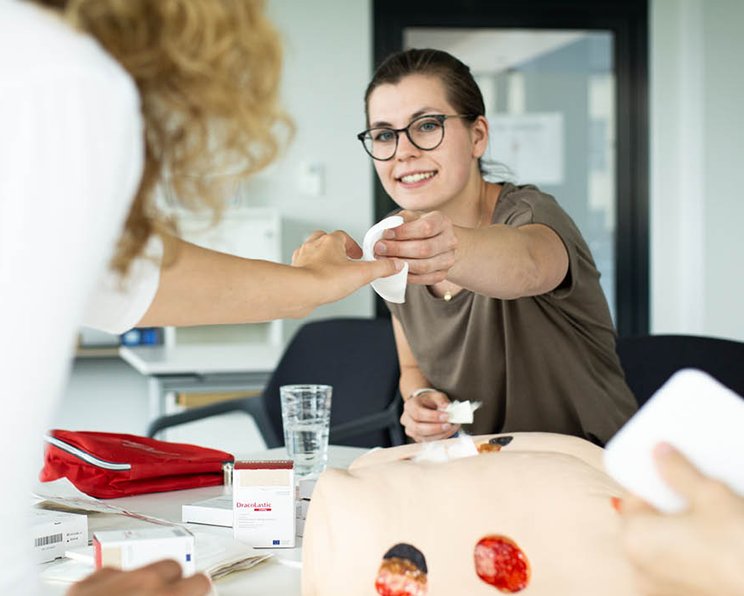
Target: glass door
(550,102)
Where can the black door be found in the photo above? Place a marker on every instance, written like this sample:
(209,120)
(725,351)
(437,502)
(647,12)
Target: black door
(567,86)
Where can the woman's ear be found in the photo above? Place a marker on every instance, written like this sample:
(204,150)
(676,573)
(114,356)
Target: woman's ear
(479,132)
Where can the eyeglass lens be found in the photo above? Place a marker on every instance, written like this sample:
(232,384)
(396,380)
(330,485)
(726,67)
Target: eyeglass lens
(425,133)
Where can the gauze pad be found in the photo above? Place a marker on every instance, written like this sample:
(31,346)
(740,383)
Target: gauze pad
(393,287)
(461,412)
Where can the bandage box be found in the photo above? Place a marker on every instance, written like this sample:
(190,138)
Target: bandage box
(305,487)
(54,532)
(217,511)
(264,503)
(130,549)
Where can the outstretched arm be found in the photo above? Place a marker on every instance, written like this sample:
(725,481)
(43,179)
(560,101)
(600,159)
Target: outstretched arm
(498,261)
(199,286)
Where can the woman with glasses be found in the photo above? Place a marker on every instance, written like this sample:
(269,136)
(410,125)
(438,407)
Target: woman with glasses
(503,304)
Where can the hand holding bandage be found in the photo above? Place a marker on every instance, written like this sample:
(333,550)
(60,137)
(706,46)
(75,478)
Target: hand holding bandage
(425,416)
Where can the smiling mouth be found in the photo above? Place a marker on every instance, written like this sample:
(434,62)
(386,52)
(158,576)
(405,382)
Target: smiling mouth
(416,177)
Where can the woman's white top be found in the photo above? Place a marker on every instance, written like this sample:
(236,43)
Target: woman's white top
(71,157)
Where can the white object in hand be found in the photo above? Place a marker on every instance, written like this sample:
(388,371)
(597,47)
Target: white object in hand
(393,287)
(461,412)
(694,413)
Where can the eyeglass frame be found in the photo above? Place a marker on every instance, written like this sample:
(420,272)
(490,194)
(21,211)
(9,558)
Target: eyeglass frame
(440,117)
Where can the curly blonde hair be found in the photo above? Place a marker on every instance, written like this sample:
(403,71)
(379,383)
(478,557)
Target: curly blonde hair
(208,77)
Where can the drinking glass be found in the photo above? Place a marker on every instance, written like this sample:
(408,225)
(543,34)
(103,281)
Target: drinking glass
(306,417)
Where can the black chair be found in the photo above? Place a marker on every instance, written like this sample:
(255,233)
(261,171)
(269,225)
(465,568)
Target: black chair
(356,356)
(649,360)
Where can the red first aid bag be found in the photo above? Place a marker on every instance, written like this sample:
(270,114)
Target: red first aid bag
(110,465)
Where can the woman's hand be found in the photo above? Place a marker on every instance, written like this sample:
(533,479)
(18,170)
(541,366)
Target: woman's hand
(158,579)
(424,417)
(696,552)
(329,258)
(426,241)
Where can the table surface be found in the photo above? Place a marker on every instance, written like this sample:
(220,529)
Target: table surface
(279,575)
(202,358)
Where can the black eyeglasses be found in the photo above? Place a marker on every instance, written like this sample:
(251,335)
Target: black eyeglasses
(425,132)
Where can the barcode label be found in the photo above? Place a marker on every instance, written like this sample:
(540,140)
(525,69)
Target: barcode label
(46,540)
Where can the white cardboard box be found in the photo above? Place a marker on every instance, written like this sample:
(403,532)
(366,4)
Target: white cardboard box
(305,487)
(217,511)
(264,503)
(130,549)
(53,532)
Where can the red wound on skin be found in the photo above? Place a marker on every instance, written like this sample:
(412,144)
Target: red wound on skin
(402,572)
(400,577)
(617,503)
(501,563)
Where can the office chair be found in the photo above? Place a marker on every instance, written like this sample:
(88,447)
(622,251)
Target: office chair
(356,356)
(649,360)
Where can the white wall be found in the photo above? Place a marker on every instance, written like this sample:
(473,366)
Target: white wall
(328,50)
(724,164)
(697,155)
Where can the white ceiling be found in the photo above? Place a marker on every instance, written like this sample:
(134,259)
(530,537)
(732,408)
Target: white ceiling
(488,51)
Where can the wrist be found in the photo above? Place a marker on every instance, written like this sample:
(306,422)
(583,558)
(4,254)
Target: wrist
(419,391)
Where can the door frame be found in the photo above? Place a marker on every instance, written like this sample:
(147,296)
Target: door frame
(628,21)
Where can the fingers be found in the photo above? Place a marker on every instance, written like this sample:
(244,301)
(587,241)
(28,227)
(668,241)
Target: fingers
(441,246)
(298,252)
(632,505)
(427,431)
(93,581)
(435,399)
(427,243)
(678,472)
(315,235)
(353,250)
(379,268)
(157,579)
(196,585)
(416,226)
(166,571)
(423,418)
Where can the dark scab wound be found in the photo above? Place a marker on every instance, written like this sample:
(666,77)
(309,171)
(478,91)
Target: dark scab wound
(402,572)
(407,551)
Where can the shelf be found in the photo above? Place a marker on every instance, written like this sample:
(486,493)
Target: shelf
(102,352)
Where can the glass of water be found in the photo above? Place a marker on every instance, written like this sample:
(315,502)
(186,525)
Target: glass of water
(306,417)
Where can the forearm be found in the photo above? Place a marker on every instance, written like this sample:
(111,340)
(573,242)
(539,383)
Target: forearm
(506,262)
(203,287)
(411,378)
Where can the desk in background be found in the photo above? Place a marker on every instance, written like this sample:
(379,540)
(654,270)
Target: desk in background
(202,368)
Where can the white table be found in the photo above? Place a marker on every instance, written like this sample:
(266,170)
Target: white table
(279,576)
(201,368)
